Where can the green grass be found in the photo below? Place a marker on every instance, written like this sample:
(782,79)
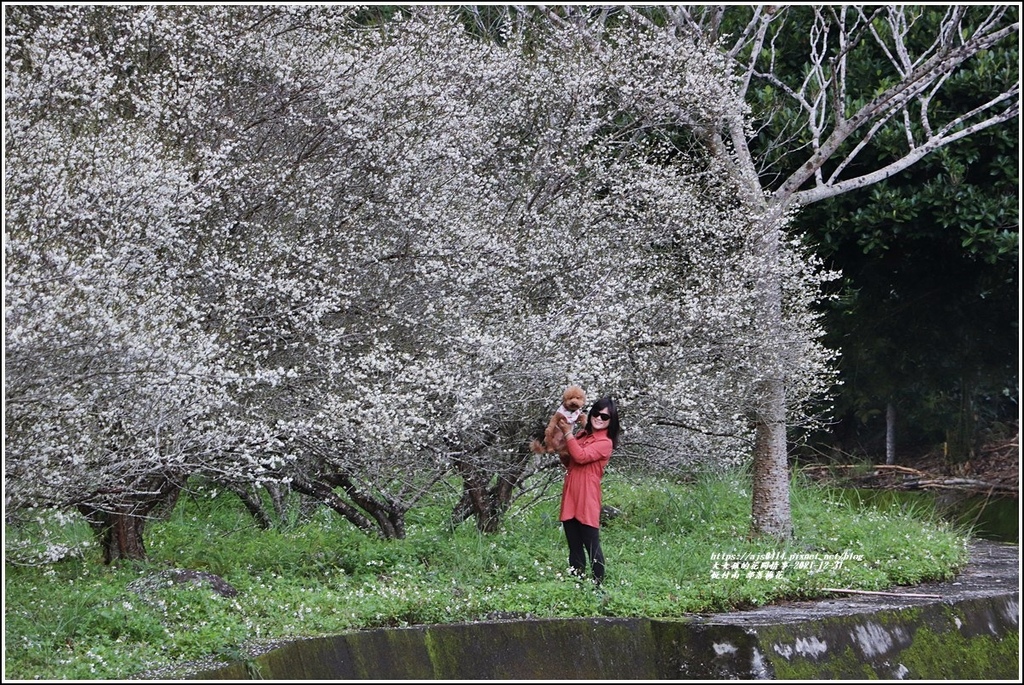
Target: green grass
(76,619)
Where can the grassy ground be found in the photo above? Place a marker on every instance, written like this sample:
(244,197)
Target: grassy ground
(676,549)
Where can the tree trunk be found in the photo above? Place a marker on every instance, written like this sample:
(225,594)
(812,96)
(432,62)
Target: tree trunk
(278,497)
(119,533)
(476,500)
(123,538)
(486,503)
(770,510)
(119,527)
(890,433)
(251,499)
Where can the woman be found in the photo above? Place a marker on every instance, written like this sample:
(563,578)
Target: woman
(587,455)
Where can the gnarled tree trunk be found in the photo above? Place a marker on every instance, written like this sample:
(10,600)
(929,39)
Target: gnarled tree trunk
(481,499)
(119,526)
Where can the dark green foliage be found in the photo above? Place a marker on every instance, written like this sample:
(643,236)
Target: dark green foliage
(927,310)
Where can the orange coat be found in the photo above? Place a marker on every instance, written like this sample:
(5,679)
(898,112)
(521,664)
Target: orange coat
(581,491)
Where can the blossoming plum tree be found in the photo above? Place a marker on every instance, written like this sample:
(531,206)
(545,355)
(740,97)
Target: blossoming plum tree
(280,245)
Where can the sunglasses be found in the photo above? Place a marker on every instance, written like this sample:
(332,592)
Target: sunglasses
(601,415)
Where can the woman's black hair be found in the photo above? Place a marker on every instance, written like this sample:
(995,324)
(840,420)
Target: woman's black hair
(606,403)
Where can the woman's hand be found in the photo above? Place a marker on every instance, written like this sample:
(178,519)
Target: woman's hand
(565,427)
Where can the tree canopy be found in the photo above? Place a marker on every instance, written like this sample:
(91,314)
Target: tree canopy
(284,244)
(356,251)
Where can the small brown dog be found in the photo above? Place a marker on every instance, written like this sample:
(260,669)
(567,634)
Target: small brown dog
(573,400)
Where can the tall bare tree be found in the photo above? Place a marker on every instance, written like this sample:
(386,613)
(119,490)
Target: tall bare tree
(835,117)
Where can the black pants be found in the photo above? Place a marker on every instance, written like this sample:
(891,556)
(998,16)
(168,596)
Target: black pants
(584,541)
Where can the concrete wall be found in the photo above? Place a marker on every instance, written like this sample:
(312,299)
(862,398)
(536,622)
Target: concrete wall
(970,639)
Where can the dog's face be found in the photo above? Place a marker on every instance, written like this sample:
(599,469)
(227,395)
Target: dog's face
(574,398)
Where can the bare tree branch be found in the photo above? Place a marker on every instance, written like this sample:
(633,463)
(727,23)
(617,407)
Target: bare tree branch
(920,80)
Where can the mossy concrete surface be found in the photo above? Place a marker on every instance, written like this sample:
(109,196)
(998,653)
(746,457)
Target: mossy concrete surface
(974,639)
(969,631)
(550,649)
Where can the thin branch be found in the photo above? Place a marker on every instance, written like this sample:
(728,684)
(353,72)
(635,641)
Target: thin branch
(921,79)
(819,193)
